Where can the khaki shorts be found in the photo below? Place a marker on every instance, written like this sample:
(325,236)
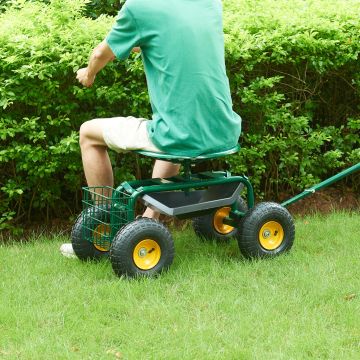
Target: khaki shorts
(126,134)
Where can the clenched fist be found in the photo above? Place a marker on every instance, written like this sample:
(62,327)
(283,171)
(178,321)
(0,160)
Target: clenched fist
(84,78)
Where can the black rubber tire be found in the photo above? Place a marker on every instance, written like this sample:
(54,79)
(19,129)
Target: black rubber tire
(253,221)
(83,248)
(125,241)
(205,229)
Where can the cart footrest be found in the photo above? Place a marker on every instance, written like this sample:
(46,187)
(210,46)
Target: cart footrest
(184,204)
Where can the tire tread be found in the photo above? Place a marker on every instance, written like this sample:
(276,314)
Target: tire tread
(123,264)
(251,223)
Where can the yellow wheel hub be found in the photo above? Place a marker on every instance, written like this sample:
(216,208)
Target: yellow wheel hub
(99,232)
(219,225)
(271,235)
(147,254)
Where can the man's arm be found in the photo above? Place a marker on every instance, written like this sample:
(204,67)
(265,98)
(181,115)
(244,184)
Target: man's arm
(100,56)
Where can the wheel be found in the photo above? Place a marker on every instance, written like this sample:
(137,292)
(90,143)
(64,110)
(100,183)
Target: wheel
(143,247)
(93,223)
(267,230)
(211,226)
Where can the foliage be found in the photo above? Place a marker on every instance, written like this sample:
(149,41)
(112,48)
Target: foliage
(97,7)
(294,73)
(42,107)
(93,8)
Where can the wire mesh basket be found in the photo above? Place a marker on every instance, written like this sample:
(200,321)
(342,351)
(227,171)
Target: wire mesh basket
(105,212)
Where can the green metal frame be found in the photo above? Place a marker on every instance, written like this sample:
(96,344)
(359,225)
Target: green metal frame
(123,199)
(121,202)
(138,188)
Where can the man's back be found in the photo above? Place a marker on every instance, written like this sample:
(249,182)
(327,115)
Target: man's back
(183,52)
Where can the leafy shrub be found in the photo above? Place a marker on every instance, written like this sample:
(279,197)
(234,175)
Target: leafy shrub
(43,106)
(294,73)
(93,8)
(294,69)
(97,7)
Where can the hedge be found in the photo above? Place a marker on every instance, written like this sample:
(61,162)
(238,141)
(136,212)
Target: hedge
(93,8)
(294,72)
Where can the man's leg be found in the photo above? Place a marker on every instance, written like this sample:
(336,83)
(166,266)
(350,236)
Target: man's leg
(97,166)
(96,163)
(162,169)
(98,170)
(95,158)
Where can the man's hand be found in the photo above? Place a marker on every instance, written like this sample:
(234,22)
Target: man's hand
(83,76)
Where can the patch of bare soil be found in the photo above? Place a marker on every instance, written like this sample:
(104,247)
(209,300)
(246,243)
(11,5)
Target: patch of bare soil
(326,201)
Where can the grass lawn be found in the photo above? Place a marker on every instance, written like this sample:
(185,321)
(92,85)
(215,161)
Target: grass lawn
(212,304)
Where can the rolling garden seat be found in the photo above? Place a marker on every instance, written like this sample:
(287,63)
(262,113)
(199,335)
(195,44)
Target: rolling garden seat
(214,200)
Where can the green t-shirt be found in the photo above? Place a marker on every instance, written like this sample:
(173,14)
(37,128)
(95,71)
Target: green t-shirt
(182,45)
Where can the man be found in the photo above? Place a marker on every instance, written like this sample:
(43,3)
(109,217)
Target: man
(182,47)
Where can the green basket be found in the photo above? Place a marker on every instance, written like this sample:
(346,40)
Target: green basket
(105,212)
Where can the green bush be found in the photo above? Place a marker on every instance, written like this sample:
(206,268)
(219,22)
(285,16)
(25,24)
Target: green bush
(93,8)
(97,7)
(294,69)
(294,73)
(42,106)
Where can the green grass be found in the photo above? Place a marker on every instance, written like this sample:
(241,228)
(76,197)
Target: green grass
(212,304)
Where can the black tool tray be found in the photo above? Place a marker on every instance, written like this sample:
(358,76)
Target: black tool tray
(183,204)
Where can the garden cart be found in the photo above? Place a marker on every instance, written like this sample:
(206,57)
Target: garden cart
(221,206)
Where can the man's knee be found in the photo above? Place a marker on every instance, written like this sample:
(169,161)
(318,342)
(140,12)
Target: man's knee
(84,133)
(91,134)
